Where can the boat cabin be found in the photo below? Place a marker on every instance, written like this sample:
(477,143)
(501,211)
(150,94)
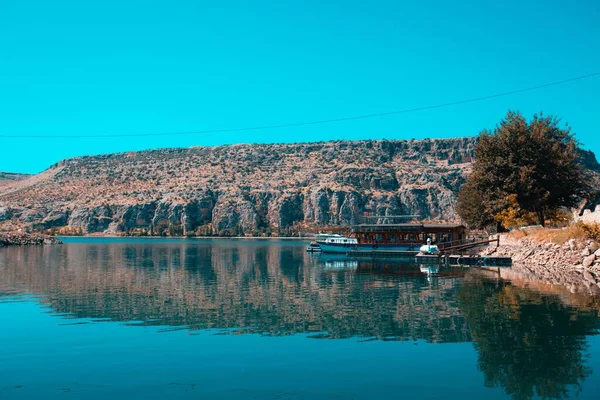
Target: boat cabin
(408,233)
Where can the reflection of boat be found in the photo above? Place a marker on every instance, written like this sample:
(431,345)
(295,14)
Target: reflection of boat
(341,264)
(336,261)
(313,247)
(429,269)
(334,257)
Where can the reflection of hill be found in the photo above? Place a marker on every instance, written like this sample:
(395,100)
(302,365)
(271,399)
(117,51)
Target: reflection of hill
(262,288)
(528,344)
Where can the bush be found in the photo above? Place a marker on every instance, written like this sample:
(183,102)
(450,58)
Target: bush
(581,230)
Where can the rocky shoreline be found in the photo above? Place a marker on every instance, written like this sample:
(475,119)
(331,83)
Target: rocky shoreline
(574,265)
(26,239)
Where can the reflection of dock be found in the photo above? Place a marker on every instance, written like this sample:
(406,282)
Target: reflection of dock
(385,267)
(464,261)
(435,259)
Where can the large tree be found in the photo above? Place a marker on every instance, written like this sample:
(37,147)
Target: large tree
(521,169)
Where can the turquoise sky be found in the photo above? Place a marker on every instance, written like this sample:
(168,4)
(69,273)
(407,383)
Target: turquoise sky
(110,67)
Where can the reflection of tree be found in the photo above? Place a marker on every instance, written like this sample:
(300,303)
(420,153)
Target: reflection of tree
(528,344)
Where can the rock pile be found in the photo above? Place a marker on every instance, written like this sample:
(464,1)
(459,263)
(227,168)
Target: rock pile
(575,264)
(23,239)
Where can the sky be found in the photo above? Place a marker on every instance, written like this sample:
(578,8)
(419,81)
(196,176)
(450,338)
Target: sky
(127,67)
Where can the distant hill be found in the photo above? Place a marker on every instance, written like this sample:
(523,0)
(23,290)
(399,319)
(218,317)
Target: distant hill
(9,177)
(243,189)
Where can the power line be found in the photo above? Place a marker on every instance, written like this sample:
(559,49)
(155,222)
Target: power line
(324,121)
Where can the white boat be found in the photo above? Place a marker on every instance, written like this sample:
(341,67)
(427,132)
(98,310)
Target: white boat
(338,244)
(429,248)
(321,237)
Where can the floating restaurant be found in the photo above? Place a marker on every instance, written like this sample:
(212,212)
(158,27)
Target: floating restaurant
(398,237)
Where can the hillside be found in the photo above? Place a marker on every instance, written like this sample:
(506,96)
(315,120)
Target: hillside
(242,189)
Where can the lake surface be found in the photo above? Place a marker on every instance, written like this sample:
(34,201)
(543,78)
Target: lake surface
(227,319)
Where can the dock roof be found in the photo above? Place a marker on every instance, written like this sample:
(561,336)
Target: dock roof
(408,227)
(443,226)
(413,225)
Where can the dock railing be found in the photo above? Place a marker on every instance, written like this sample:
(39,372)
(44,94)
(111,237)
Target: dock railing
(465,244)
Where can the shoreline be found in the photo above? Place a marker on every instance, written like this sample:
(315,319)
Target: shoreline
(573,266)
(303,238)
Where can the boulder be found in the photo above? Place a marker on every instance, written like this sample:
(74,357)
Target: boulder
(56,218)
(5,214)
(589,277)
(589,260)
(593,247)
(32,215)
(526,255)
(585,252)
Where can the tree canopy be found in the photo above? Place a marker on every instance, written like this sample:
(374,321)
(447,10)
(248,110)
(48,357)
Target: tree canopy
(523,172)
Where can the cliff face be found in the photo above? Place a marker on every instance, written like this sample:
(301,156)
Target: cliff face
(241,189)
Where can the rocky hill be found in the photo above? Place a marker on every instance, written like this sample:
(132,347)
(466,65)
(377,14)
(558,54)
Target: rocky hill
(273,189)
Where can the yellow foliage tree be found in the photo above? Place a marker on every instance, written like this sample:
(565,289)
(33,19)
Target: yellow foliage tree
(514,216)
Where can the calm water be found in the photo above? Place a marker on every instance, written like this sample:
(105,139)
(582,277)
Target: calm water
(158,319)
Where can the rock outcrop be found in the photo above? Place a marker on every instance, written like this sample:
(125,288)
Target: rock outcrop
(274,189)
(25,239)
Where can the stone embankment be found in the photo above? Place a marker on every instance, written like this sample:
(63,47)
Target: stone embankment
(574,265)
(23,239)
(589,217)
